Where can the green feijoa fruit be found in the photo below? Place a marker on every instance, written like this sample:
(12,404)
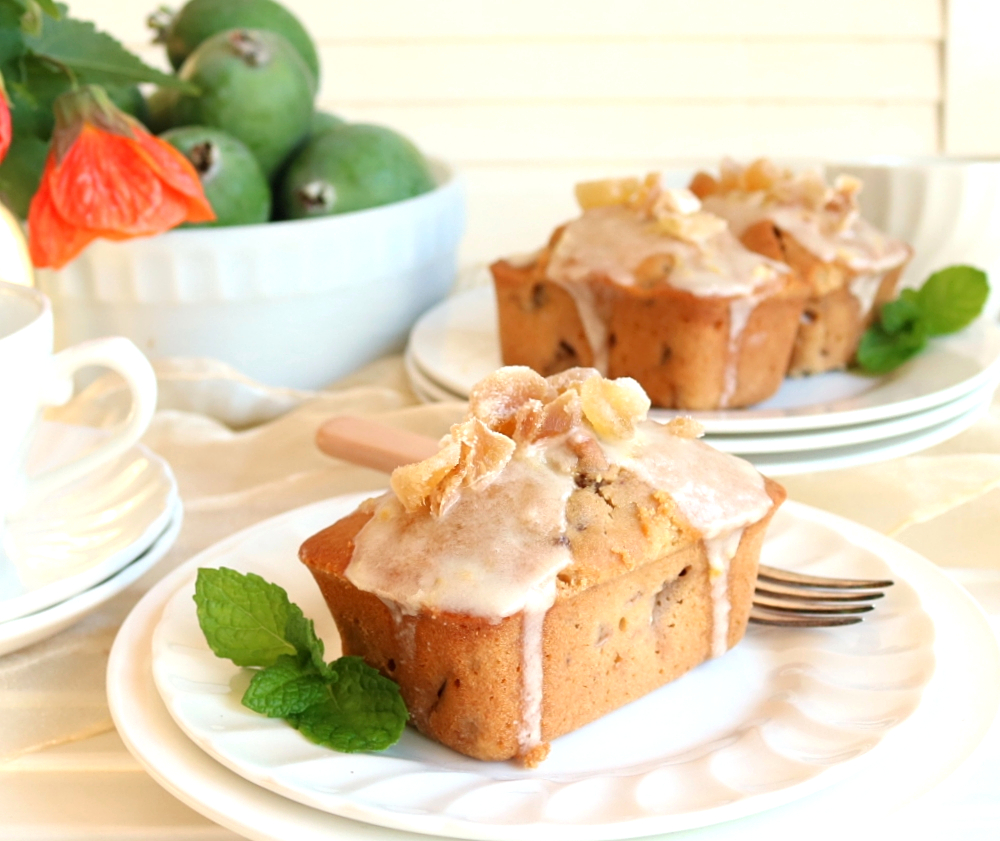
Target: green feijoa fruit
(160,109)
(232,179)
(324,121)
(199,20)
(253,86)
(353,167)
(130,100)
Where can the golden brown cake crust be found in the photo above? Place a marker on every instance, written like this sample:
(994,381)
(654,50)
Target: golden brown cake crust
(633,611)
(674,343)
(832,320)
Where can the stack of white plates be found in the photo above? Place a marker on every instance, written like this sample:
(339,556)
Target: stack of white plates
(65,556)
(833,420)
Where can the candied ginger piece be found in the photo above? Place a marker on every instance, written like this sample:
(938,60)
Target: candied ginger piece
(614,407)
(762,174)
(571,379)
(536,420)
(684,427)
(498,398)
(609,191)
(472,456)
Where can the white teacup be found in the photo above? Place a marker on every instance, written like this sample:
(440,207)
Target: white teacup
(32,377)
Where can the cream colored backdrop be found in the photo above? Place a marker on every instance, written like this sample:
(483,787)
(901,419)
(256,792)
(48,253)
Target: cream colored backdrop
(527,96)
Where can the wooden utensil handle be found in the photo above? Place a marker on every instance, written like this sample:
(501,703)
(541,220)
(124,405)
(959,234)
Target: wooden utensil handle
(371,444)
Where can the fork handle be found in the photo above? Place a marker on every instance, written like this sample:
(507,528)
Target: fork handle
(370,444)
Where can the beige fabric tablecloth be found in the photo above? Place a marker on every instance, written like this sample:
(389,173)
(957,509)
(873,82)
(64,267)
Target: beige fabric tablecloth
(243,452)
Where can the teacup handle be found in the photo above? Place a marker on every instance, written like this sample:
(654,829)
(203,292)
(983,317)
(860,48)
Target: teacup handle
(118,354)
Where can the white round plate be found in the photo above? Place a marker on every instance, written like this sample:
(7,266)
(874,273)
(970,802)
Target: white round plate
(456,344)
(63,545)
(782,715)
(957,706)
(19,633)
(807,442)
(854,455)
(423,386)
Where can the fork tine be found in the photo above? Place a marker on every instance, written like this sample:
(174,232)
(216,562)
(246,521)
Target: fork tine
(809,606)
(782,576)
(761,616)
(801,592)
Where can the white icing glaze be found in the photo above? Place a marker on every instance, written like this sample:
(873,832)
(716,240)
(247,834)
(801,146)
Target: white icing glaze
(483,557)
(719,494)
(614,241)
(740,310)
(859,245)
(864,288)
(497,550)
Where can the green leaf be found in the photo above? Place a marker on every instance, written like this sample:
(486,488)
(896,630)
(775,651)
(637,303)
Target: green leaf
(50,7)
(11,37)
(952,298)
(243,617)
(21,171)
(33,88)
(364,711)
(880,351)
(900,315)
(284,689)
(301,633)
(94,57)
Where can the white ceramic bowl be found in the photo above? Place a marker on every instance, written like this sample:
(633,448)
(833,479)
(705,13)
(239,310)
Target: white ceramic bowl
(948,209)
(295,304)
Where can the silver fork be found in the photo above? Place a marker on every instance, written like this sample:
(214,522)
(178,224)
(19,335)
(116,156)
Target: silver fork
(781,598)
(791,599)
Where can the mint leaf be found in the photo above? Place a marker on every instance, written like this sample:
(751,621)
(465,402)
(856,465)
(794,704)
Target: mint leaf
(284,688)
(880,351)
(900,315)
(301,633)
(243,617)
(952,298)
(94,57)
(364,711)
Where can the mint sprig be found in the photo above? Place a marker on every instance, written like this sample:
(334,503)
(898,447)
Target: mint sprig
(948,301)
(345,705)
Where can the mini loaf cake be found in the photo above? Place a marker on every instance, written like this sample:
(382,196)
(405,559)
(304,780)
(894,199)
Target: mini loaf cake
(559,557)
(850,266)
(645,284)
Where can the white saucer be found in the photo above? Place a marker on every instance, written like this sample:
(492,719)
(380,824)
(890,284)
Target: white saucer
(19,633)
(456,345)
(854,455)
(59,547)
(955,709)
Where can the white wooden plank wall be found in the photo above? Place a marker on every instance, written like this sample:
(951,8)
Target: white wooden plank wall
(527,96)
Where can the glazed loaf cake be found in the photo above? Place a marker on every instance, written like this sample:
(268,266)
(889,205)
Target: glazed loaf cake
(645,284)
(559,557)
(850,267)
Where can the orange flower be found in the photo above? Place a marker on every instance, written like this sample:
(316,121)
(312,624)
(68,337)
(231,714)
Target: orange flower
(106,176)
(5,127)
